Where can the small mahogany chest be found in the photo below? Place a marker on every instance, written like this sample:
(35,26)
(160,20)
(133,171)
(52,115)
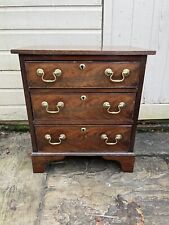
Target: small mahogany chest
(82,102)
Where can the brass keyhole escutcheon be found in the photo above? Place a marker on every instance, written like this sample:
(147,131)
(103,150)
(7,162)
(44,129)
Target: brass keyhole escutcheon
(82,66)
(83,97)
(83,129)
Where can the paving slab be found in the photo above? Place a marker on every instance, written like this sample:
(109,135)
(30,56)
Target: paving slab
(152,143)
(20,189)
(82,191)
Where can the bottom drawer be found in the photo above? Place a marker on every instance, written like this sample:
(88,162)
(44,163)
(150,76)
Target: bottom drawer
(79,138)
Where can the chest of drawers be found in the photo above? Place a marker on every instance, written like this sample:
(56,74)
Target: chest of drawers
(82,103)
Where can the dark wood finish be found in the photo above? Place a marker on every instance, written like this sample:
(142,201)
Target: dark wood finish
(126,162)
(79,141)
(28,103)
(91,77)
(81,90)
(40,160)
(39,163)
(72,58)
(84,50)
(77,114)
(77,111)
(138,100)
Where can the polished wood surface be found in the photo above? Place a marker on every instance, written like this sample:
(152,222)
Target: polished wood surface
(39,163)
(80,141)
(92,76)
(83,50)
(126,162)
(40,160)
(86,111)
(78,114)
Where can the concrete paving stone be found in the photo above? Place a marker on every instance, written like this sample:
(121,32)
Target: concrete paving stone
(155,143)
(81,190)
(83,194)
(20,189)
(150,164)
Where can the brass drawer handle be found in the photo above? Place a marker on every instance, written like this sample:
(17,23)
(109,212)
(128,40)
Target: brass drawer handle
(107,106)
(118,137)
(125,73)
(59,105)
(61,137)
(57,73)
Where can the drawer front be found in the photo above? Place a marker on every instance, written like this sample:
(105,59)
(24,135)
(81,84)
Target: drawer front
(58,74)
(89,108)
(83,138)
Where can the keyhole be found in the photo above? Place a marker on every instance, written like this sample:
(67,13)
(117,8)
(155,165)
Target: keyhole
(82,66)
(83,97)
(83,129)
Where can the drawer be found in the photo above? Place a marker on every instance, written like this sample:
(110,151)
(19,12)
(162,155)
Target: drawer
(86,108)
(85,74)
(78,138)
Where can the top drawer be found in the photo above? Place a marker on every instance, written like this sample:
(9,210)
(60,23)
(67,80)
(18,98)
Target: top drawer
(86,74)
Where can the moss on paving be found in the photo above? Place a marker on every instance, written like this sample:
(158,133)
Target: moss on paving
(15,127)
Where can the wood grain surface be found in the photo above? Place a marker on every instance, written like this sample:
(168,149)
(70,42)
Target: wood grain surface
(82,121)
(87,111)
(91,77)
(78,141)
(82,50)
